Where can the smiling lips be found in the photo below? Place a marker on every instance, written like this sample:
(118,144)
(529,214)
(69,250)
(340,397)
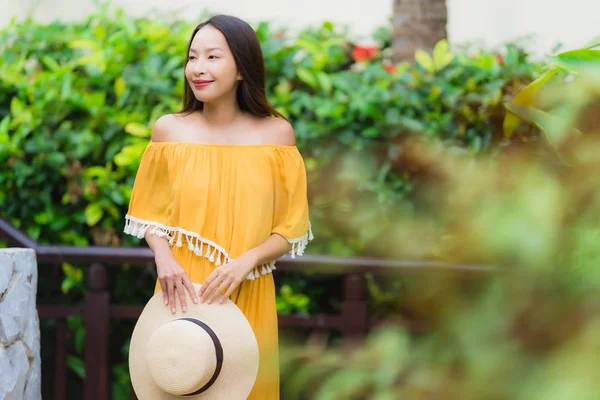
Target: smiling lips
(200,83)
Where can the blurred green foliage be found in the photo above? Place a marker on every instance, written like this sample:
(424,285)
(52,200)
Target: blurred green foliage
(554,103)
(531,328)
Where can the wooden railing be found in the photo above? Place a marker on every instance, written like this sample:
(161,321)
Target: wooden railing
(97,311)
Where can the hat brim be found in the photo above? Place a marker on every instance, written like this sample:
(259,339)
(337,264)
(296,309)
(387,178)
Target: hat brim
(240,349)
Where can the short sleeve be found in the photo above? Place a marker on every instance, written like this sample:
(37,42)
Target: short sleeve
(291,217)
(149,204)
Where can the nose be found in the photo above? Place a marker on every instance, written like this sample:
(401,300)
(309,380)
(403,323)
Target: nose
(198,67)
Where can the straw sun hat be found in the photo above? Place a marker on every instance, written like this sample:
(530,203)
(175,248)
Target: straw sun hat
(208,353)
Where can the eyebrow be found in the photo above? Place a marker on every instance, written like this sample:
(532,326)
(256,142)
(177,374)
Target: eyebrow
(207,49)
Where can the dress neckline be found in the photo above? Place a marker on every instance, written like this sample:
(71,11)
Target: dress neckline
(229,145)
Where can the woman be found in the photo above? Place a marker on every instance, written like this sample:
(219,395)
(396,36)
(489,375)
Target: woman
(221,188)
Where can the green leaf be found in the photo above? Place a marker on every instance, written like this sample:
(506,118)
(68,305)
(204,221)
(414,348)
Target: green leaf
(65,90)
(34,231)
(324,81)
(586,61)
(392,116)
(525,98)
(67,285)
(371,131)
(286,291)
(510,124)
(113,211)
(100,32)
(16,107)
(96,172)
(120,87)
(76,364)
(424,60)
(41,218)
(124,159)
(79,338)
(59,222)
(93,213)
(307,77)
(309,45)
(84,44)
(129,154)
(117,197)
(95,60)
(72,272)
(442,55)
(328,25)
(56,159)
(65,199)
(50,63)
(556,127)
(4,137)
(136,129)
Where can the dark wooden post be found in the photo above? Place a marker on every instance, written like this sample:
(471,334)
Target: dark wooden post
(354,307)
(60,363)
(96,316)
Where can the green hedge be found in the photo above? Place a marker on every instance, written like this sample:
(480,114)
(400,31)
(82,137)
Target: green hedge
(77,102)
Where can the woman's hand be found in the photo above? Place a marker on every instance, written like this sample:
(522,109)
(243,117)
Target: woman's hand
(173,279)
(226,278)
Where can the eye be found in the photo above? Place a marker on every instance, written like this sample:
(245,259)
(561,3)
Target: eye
(214,57)
(191,57)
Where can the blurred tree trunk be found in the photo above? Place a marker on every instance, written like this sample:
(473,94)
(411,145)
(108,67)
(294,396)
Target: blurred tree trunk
(417,24)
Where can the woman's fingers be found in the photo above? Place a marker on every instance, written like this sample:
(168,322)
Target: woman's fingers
(165,293)
(212,287)
(229,291)
(181,292)
(205,285)
(190,288)
(221,289)
(171,290)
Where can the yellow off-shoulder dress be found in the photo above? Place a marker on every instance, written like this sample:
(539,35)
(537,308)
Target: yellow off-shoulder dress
(216,201)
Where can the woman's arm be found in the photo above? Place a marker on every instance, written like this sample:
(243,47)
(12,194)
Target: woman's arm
(232,274)
(170,274)
(271,249)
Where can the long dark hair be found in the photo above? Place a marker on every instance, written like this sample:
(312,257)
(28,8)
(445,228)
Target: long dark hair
(248,56)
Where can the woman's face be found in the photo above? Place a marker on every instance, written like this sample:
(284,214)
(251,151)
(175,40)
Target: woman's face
(211,71)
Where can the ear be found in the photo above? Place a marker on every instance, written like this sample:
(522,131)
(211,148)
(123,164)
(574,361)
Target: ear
(239,77)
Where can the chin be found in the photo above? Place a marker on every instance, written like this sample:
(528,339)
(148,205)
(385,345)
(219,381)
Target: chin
(203,97)
(209,98)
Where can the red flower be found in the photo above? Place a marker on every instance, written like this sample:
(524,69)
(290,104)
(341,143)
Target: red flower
(389,67)
(499,59)
(363,53)
(280,35)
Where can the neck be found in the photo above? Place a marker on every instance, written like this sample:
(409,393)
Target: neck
(222,112)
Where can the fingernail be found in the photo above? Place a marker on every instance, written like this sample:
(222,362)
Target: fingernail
(166,302)
(201,300)
(184,309)
(195,300)
(210,301)
(173,310)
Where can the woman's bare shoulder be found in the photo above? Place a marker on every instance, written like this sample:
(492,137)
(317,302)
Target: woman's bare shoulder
(167,127)
(278,131)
